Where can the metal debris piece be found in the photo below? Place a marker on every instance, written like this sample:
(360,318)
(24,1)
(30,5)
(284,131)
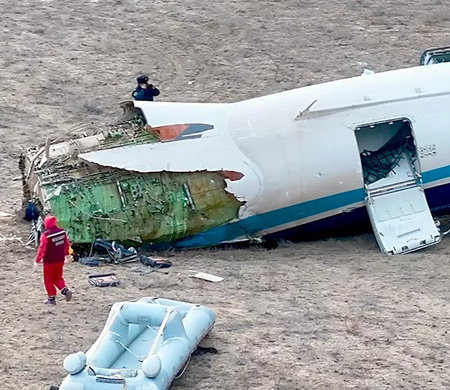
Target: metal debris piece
(104,280)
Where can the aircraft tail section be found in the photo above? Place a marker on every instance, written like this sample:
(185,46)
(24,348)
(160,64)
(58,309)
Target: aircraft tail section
(167,113)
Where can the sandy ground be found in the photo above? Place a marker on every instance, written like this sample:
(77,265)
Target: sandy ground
(335,314)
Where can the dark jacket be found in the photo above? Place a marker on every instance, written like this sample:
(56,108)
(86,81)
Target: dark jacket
(145,94)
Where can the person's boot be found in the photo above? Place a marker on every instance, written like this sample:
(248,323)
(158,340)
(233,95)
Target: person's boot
(68,294)
(50,301)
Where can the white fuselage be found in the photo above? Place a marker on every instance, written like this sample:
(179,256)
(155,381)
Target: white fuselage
(297,149)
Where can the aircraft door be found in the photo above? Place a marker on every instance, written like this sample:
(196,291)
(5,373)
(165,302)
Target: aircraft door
(395,198)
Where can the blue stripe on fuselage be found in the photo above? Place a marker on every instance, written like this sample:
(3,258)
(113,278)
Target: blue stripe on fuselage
(256,223)
(270,219)
(436,174)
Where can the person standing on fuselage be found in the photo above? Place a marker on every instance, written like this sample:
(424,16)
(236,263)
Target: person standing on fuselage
(53,248)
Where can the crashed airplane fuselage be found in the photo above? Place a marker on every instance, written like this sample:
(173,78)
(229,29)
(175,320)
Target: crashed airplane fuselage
(287,165)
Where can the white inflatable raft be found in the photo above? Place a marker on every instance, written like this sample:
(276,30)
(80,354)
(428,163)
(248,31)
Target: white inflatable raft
(143,346)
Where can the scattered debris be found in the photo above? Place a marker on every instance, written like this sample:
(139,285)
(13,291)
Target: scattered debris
(5,215)
(155,262)
(37,227)
(202,350)
(104,280)
(116,253)
(367,72)
(142,271)
(205,276)
(11,238)
(89,261)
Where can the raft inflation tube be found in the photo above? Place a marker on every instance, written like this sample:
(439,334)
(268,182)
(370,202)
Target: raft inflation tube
(143,346)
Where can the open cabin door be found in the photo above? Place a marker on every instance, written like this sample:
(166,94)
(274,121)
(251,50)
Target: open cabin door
(395,198)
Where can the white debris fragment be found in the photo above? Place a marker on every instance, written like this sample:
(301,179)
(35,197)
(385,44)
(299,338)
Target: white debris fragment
(205,276)
(10,238)
(367,72)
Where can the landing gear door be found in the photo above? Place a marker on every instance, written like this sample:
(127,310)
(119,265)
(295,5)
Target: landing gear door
(401,219)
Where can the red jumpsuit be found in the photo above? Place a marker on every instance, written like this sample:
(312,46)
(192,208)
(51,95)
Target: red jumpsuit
(53,247)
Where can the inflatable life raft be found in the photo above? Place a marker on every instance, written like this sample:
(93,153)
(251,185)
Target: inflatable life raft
(143,346)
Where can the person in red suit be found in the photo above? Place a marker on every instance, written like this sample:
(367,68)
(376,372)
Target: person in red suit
(53,248)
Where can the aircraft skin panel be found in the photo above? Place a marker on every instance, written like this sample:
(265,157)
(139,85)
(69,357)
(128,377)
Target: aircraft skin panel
(297,160)
(311,211)
(250,226)
(430,127)
(192,155)
(349,208)
(363,91)
(293,155)
(438,199)
(353,221)
(357,221)
(352,202)
(184,156)
(342,210)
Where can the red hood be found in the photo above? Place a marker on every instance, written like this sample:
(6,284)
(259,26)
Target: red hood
(49,222)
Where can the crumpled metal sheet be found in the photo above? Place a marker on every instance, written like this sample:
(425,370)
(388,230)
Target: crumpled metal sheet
(183,156)
(191,155)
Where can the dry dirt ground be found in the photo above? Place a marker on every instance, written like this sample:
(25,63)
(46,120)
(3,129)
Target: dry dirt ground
(334,314)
